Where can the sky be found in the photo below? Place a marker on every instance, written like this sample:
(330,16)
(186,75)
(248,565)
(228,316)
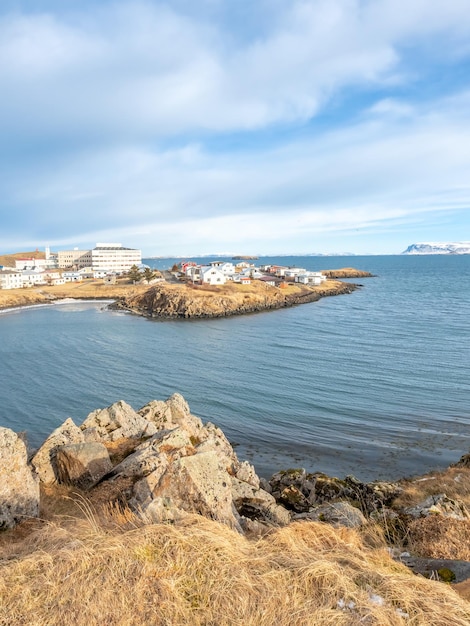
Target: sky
(194,127)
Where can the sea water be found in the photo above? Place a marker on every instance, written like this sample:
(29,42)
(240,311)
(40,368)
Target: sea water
(375,383)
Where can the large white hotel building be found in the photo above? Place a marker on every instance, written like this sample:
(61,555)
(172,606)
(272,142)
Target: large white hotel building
(112,257)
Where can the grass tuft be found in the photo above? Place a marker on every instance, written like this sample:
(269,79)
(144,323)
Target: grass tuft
(105,567)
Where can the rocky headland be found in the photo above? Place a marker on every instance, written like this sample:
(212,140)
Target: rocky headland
(186,301)
(190,301)
(160,467)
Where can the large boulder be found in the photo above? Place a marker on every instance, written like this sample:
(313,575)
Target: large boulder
(44,461)
(82,464)
(117,421)
(19,488)
(191,484)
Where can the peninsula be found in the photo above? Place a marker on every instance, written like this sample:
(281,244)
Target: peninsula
(188,291)
(165,300)
(188,301)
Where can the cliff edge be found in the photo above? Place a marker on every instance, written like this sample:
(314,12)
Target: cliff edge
(204,301)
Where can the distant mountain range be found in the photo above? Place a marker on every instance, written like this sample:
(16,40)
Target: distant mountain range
(460,247)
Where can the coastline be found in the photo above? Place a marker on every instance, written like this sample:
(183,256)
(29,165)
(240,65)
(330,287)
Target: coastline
(165,301)
(184,301)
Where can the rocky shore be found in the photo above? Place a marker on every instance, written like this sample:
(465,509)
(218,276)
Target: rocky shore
(163,463)
(189,301)
(149,516)
(186,301)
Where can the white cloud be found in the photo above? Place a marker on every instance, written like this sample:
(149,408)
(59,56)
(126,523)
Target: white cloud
(140,68)
(120,118)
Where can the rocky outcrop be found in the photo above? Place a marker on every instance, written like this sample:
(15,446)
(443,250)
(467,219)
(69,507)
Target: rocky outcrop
(19,488)
(347,272)
(306,494)
(197,301)
(173,465)
(116,422)
(44,461)
(439,504)
(190,484)
(337,514)
(82,464)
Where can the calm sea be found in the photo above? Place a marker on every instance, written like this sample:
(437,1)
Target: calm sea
(375,383)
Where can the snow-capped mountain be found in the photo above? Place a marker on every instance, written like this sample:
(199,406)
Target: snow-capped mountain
(461,247)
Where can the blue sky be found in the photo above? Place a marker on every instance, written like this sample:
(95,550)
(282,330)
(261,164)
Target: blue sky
(234,126)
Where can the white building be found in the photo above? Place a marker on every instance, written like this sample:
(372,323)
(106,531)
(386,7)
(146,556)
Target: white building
(10,279)
(72,277)
(310,278)
(114,257)
(74,258)
(227,268)
(33,277)
(108,257)
(292,272)
(30,264)
(212,276)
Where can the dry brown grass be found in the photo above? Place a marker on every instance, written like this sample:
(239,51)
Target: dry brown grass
(88,289)
(8,260)
(439,537)
(114,571)
(453,481)
(435,536)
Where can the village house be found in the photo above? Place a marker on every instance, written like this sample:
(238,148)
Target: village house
(310,278)
(277,270)
(273,281)
(30,264)
(10,279)
(242,280)
(33,277)
(292,272)
(193,272)
(72,277)
(227,268)
(54,278)
(212,276)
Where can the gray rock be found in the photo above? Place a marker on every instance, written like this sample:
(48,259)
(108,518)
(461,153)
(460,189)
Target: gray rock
(116,422)
(171,413)
(19,488)
(336,514)
(192,484)
(257,504)
(44,461)
(164,446)
(82,464)
(439,504)
(247,473)
(293,499)
(447,570)
(212,438)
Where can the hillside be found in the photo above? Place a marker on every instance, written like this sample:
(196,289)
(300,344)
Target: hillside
(8,260)
(204,301)
(86,290)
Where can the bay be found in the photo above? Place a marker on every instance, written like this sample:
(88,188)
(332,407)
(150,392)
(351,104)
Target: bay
(375,383)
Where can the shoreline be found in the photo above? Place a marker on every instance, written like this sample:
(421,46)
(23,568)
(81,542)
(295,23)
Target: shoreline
(191,301)
(188,302)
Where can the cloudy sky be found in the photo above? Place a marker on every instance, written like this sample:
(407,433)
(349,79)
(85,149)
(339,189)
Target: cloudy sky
(242,126)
